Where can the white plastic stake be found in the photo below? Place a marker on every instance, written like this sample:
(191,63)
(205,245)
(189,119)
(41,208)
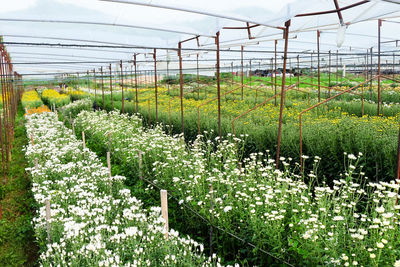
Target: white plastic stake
(164,210)
(48,216)
(83,139)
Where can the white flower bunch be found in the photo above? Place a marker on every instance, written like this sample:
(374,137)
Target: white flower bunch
(94,220)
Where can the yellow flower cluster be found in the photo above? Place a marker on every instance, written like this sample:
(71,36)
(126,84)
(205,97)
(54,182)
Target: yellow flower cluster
(31,99)
(51,96)
(264,115)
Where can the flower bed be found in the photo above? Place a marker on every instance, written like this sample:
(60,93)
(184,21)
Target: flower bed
(52,97)
(31,99)
(94,220)
(309,223)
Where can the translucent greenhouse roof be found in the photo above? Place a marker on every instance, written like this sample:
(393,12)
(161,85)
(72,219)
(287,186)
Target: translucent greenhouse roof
(95,33)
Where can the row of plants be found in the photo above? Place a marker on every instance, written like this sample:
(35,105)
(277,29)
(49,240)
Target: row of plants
(298,219)
(94,220)
(31,99)
(51,97)
(328,131)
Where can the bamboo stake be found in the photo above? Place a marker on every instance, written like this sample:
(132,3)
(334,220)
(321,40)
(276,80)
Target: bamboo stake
(164,210)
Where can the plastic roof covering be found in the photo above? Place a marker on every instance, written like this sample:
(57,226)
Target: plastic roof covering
(360,34)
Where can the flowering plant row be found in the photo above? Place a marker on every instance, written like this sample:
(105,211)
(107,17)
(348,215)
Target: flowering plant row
(52,97)
(77,106)
(94,220)
(351,222)
(31,99)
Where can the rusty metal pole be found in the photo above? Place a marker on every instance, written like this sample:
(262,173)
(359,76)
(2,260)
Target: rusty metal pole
(393,65)
(131,78)
(136,83)
(232,80)
(5,111)
(272,76)
(286,37)
(102,87)
(379,65)
(337,66)
(275,71)
(122,87)
(250,82)
(111,82)
(197,77)
(298,72)
(155,81)
(181,84)
(398,164)
(311,71)
(95,86)
(370,83)
(3,159)
(88,84)
(319,68)
(218,85)
(329,75)
(241,74)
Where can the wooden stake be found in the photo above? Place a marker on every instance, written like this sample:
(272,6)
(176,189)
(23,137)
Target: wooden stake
(212,216)
(109,163)
(73,127)
(109,141)
(48,216)
(83,140)
(164,210)
(140,165)
(33,143)
(36,164)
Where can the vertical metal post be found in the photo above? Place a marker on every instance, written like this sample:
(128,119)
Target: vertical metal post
(198,84)
(136,84)
(95,86)
(370,83)
(88,86)
(379,65)
(286,37)
(122,87)
(311,71)
(241,74)
(272,70)
(337,65)
(2,121)
(329,75)
(319,68)
(298,72)
(155,82)
(393,65)
(276,43)
(102,87)
(111,82)
(5,108)
(181,84)
(218,85)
